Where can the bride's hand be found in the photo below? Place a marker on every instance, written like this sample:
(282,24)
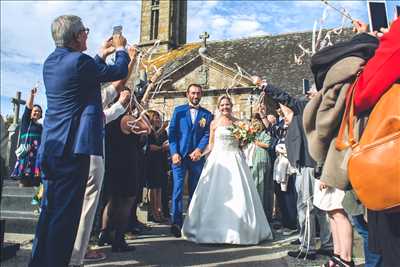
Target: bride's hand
(195,155)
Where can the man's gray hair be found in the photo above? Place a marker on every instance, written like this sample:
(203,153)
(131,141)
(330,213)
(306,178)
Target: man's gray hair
(64,29)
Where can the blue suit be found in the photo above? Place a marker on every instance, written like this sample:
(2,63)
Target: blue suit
(73,129)
(184,137)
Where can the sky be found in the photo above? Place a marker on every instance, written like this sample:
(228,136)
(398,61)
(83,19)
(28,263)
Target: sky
(26,38)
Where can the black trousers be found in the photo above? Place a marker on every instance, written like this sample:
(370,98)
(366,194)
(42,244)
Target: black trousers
(384,236)
(287,203)
(64,188)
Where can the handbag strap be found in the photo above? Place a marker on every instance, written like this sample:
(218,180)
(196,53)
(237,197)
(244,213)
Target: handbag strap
(347,121)
(27,134)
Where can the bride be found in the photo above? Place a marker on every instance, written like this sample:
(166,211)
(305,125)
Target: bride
(225,208)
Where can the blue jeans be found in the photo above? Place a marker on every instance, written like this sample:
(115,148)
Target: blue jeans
(371,259)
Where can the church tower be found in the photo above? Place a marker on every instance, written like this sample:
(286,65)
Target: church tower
(163,20)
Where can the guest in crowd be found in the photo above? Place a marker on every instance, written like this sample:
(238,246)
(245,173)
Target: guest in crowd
(72,131)
(284,176)
(3,149)
(166,185)
(27,168)
(96,170)
(121,184)
(380,74)
(135,225)
(299,157)
(335,68)
(155,162)
(262,166)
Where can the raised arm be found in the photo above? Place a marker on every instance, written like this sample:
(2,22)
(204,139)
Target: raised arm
(277,94)
(31,97)
(120,85)
(118,108)
(118,71)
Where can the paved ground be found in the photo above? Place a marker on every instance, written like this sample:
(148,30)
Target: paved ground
(158,248)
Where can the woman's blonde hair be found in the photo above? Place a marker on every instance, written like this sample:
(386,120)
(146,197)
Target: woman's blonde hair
(222,97)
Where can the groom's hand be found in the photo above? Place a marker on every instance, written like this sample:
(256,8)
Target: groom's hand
(176,159)
(195,155)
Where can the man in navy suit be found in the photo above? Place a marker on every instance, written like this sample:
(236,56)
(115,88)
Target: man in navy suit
(189,131)
(73,130)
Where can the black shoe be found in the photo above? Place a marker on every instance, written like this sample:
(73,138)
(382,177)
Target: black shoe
(342,263)
(302,255)
(295,242)
(176,230)
(119,244)
(325,252)
(104,239)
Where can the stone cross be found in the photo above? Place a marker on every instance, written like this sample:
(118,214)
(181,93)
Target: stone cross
(13,132)
(17,101)
(204,36)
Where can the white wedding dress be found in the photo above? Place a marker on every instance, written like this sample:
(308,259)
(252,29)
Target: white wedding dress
(226,208)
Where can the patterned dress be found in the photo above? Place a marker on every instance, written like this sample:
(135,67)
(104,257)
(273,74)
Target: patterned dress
(27,167)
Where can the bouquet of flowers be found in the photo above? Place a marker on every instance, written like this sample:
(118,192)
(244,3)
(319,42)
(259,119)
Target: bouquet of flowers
(243,132)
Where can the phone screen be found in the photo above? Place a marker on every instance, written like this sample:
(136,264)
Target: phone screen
(377,15)
(117,30)
(306,86)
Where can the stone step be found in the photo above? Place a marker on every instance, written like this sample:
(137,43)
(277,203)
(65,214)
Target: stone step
(19,221)
(17,202)
(10,182)
(14,190)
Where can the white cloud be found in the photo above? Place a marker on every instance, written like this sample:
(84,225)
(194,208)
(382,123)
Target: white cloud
(219,22)
(244,27)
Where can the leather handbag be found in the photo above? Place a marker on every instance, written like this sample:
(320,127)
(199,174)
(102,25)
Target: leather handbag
(374,161)
(23,149)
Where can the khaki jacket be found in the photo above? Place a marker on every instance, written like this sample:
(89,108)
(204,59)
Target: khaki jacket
(322,118)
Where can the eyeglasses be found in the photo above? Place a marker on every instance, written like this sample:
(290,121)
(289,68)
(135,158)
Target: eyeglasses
(86,30)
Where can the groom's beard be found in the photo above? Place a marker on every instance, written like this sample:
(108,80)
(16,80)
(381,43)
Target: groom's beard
(194,104)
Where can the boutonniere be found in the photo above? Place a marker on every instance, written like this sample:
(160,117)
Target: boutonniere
(202,122)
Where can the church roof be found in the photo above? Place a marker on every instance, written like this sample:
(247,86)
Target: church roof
(271,57)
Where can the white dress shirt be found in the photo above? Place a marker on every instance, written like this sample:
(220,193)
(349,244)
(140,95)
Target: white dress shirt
(193,114)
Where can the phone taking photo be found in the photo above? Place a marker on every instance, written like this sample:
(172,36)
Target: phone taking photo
(306,86)
(117,30)
(377,14)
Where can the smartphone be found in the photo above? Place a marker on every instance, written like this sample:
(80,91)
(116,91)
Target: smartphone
(117,29)
(397,11)
(306,86)
(377,14)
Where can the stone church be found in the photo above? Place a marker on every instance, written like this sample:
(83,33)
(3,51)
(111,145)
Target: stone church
(270,57)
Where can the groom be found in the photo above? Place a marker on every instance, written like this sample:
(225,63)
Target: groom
(189,131)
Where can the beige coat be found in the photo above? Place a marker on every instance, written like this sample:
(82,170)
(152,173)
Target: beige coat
(322,118)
